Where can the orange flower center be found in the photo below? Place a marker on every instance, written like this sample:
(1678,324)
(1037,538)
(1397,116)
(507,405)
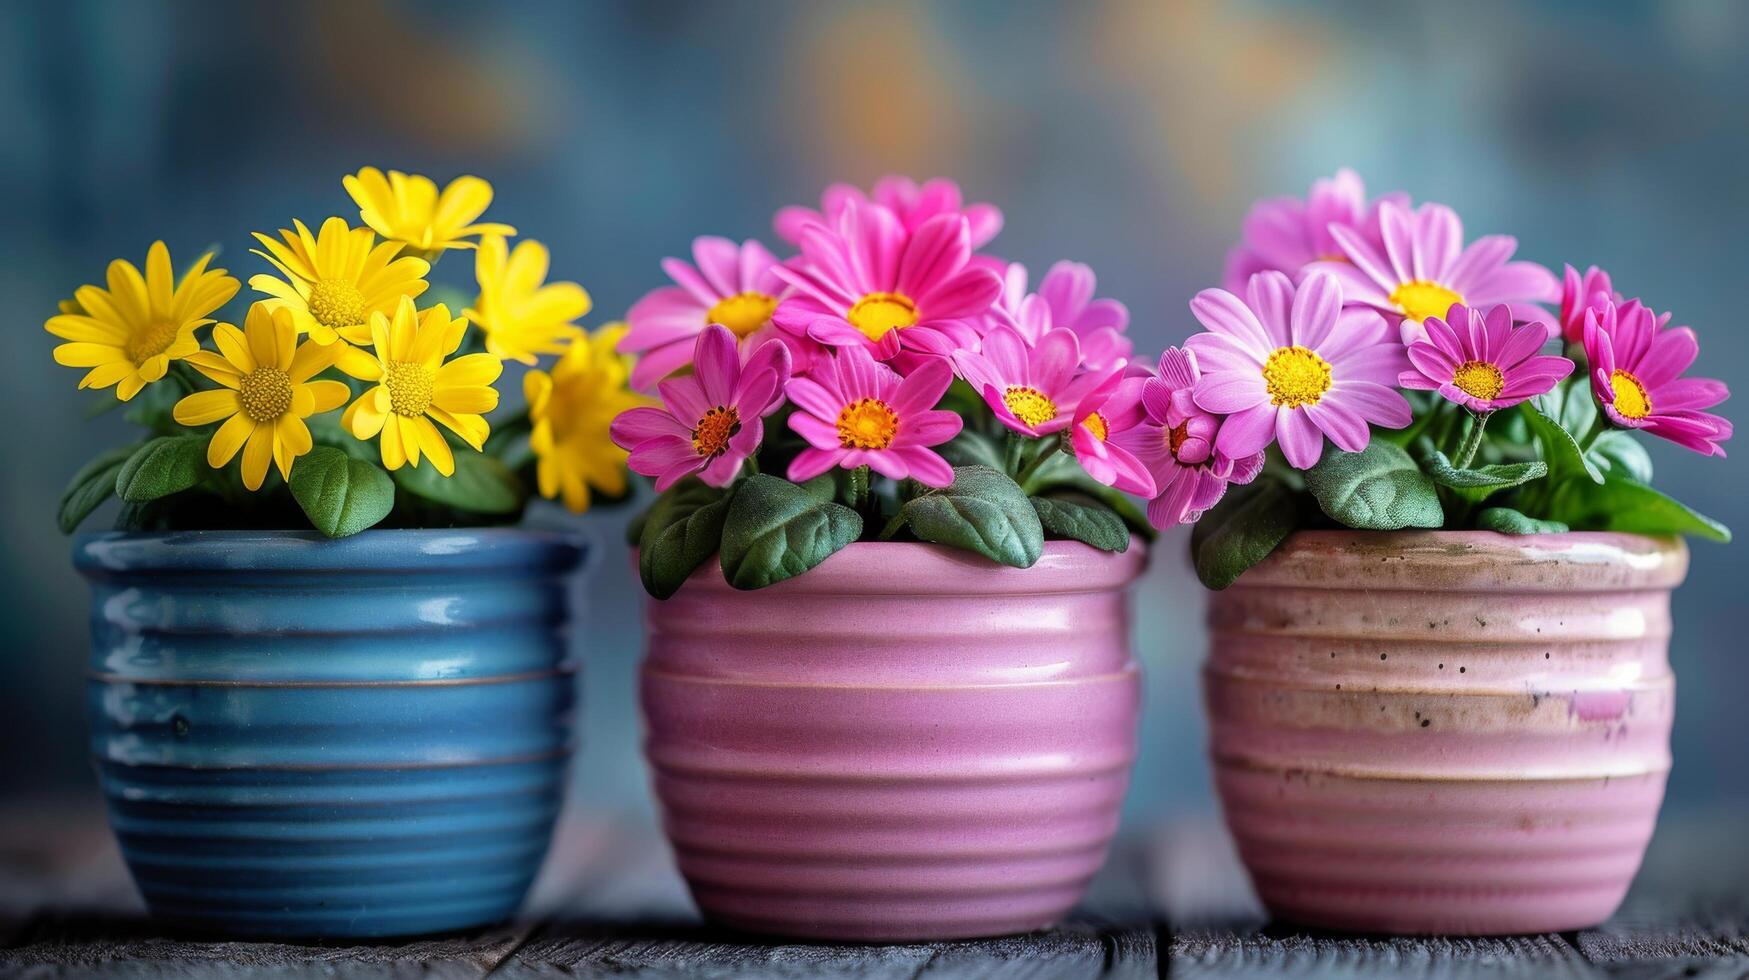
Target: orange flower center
(1631,398)
(1479,379)
(1097,425)
(742,313)
(1029,405)
(710,438)
(266,394)
(867,423)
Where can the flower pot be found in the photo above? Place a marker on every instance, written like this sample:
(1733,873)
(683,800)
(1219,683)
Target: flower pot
(1444,732)
(905,743)
(304,737)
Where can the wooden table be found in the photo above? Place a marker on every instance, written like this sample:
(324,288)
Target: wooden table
(609,904)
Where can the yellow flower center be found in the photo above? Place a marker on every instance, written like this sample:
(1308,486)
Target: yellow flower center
(266,393)
(336,303)
(1479,379)
(409,384)
(1420,299)
(1296,376)
(151,340)
(1097,425)
(867,423)
(710,438)
(877,313)
(1631,398)
(742,313)
(1029,405)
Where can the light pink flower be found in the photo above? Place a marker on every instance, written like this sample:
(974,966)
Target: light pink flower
(1039,389)
(1295,366)
(734,285)
(1591,291)
(1065,299)
(871,283)
(1287,234)
(711,419)
(1636,368)
(1424,268)
(1483,362)
(855,411)
(912,204)
(1176,440)
(1096,433)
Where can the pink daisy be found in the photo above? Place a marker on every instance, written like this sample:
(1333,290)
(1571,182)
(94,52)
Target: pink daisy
(1066,297)
(1483,362)
(1176,441)
(1096,433)
(1424,269)
(1295,366)
(912,204)
(1591,291)
(855,411)
(734,285)
(871,283)
(1287,234)
(1636,368)
(1039,389)
(711,419)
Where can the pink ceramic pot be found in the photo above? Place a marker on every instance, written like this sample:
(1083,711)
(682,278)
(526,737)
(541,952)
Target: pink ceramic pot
(1445,732)
(906,743)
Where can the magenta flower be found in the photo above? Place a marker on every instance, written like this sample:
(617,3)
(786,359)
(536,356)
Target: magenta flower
(734,285)
(870,283)
(1483,362)
(1424,269)
(711,419)
(1176,441)
(1035,390)
(1287,234)
(1636,368)
(1096,433)
(856,411)
(1591,291)
(1065,299)
(912,204)
(1295,366)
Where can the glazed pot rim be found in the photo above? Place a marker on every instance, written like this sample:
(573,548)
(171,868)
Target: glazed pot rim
(874,568)
(399,550)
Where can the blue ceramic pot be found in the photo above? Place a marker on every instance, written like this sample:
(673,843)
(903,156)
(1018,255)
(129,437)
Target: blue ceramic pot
(305,737)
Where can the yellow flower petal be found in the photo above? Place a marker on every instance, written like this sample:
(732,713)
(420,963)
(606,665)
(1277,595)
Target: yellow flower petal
(465,399)
(394,454)
(472,369)
(87,354)
(215,367)
(228,439)
(257,455)
(326,396)
(409,433)
(435,447)
(234,346)
(204,407)
(362,418)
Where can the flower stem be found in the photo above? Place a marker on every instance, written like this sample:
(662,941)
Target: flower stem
(859,488)
(1466,453)
(1599,426)
(892,527)
(1048,447)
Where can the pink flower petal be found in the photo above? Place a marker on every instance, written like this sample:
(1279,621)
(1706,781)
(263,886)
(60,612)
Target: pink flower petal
(1302,442)
(936,251)
(1248,431)
(1272,296)
(1224,314)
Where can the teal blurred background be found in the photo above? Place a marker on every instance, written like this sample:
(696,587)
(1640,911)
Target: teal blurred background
(1131,135)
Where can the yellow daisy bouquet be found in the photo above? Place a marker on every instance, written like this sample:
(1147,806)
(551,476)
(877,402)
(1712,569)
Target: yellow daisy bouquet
(354,393)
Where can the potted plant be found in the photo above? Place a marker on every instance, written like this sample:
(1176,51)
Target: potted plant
(329,688)
(888,690)
(1438,684)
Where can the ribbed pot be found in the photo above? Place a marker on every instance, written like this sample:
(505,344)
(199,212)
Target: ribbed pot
(1445,732)
(905,743)
(304,737)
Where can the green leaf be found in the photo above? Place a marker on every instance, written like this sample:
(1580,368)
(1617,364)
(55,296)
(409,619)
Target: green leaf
(1086,520)
(1618,452)
(1479,483)
(339,494)
(1508,521)
(1062,472)
(971,448)
(1621,504)
(91,486)
(325,430)
(1377,489)
(1241,531)
(983,511)
(161,467)
(683,529)
(481,484)
(777,530)
(1560,449)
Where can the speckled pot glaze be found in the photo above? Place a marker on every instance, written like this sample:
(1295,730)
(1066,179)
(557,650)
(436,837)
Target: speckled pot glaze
(313,738)
(905,743)
(1444,732)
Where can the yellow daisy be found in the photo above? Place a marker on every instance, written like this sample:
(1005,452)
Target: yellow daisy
(267,393)
(408,208)
(521,317)
(129,333)
(414,387)
(336,279)
(571,409)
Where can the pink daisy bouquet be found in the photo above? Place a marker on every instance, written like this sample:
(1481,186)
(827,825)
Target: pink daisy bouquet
(1364,366)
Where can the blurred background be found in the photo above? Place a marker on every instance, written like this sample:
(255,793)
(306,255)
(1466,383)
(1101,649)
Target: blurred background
(1131,134)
